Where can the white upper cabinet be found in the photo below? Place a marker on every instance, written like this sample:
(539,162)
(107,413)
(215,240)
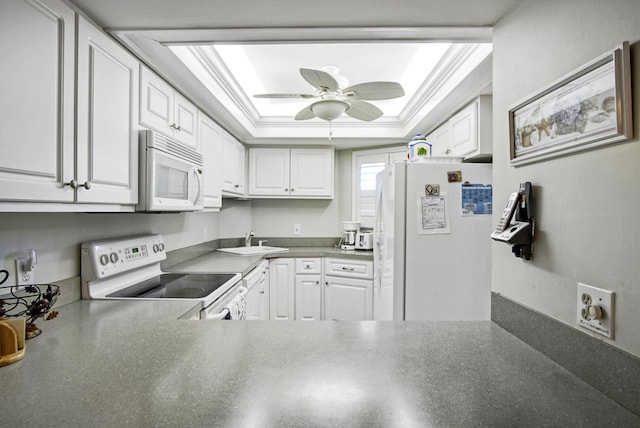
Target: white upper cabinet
(269,171)
(37,101)
(439,140)
(233,166)
(467,134)
(107,111)
(291,173)
(166,110)
(42,162)
(463,138)
(210,142)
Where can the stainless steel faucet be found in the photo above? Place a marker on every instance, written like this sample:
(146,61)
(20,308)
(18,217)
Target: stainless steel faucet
(247,238)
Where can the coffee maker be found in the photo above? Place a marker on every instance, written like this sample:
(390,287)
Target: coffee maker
(351,229)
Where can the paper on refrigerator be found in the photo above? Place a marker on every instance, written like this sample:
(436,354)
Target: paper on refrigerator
(433,213)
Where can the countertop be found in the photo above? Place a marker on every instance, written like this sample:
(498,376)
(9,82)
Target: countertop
(222,262)
(117,363)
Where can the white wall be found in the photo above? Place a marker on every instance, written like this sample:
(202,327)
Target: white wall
(588,204)
(57,236)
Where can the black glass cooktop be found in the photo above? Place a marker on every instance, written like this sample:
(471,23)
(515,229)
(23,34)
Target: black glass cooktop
(175,286)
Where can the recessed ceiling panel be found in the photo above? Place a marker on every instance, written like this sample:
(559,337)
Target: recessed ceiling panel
(274,68)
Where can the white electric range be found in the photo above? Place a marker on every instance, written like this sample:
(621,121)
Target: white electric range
(129,268)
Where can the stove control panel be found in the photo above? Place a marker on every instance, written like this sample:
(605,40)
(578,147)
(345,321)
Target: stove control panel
(101,259)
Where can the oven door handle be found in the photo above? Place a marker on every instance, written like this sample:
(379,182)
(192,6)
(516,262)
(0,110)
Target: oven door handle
(224,312)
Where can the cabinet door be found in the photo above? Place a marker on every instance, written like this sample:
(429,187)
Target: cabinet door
(269,171)
(312,172)
(185,117)
(463,131)
(210,142)
(107,147)
(254,301)
(37,101)
(156,102)
(308,297)
(241,159)
(439,140)
(348,299)
(281,289)
(233,158)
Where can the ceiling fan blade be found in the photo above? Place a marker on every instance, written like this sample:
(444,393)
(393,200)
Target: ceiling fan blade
(320,79)
(284,96)
(374,91)
(362,110)
(305,114)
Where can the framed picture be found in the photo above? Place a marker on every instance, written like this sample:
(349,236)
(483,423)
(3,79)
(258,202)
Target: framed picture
(589,107)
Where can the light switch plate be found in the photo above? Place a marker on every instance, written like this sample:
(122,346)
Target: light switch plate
(595,309)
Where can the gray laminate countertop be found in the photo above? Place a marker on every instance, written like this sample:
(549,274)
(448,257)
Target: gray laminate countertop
(134,364)
(222,262)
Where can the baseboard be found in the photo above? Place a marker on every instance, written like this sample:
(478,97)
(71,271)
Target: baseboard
(612,371)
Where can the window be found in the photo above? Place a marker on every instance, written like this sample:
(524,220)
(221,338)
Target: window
(366,165)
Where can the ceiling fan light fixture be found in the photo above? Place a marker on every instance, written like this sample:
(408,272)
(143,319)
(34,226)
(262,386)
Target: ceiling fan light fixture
(329,109)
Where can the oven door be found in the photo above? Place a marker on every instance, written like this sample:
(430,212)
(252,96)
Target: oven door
(219,310)
(172,184)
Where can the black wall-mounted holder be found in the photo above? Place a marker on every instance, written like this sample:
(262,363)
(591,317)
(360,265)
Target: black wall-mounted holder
(524,214)
(520,234)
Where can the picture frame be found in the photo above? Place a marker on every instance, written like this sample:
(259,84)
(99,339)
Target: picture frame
(587,108)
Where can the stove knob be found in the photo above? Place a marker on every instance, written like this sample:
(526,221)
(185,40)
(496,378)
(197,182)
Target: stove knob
(113,257)
(156,248)
(161,246)
(104,259)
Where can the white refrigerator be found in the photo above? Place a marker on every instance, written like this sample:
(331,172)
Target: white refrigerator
(432,251)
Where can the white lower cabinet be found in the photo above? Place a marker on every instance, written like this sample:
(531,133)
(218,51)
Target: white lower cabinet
(308,289)
(348,291)
(257,297)
(319,288)
(281,289)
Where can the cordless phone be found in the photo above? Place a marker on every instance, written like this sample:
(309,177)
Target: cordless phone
(507,214)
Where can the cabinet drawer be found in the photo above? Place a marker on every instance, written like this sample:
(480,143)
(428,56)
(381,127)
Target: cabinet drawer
(309,265)
(348,268)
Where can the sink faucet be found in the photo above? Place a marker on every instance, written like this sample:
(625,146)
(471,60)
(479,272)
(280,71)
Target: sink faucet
(247,238)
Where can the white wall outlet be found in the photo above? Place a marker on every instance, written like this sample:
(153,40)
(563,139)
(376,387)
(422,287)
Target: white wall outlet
(24,276)
(297,229)
(596,309)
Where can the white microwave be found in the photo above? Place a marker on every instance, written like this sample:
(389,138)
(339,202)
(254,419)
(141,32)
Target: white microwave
(171,175)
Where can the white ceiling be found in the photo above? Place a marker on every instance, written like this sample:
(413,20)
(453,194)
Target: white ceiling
(369,40)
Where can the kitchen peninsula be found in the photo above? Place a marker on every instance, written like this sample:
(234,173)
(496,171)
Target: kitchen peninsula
(111,363)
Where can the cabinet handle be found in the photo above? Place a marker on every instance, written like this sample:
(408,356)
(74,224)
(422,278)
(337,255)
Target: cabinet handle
(326,283)
(286,190)
(293,190)
(174,126)
(348,269)
(236,185)
(74,184)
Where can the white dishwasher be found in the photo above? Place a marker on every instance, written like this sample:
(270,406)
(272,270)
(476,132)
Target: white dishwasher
(257,297)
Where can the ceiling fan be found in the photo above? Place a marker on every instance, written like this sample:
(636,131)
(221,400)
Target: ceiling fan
(336,98)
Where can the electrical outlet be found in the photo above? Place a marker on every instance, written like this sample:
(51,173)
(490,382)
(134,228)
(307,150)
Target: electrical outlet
(297,229)
(596,309)
(23,276)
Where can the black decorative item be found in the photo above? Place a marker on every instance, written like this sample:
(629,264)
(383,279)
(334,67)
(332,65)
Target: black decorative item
(28,301)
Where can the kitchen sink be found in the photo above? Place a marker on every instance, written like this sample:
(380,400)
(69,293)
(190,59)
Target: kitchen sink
(260,249)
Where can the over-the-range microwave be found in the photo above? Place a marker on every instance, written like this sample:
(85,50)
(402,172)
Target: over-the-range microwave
(171,175)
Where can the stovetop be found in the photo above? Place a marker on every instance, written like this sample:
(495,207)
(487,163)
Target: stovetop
(175,286)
